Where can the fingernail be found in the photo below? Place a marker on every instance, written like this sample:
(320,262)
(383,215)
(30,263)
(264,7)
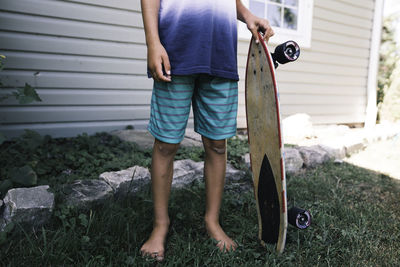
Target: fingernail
(257,41)
(168,72)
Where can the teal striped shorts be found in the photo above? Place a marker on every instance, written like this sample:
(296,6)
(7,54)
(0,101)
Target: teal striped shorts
(214,101)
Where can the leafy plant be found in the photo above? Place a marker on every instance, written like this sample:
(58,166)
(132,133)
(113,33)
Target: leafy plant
(24,176)
(24,95)
(62,160)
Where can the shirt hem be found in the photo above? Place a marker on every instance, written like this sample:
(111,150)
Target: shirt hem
(206,70)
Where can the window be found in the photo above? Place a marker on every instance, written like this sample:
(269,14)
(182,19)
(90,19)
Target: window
(290,19)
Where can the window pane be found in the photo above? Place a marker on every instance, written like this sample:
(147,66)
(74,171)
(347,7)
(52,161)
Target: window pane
(274,15)
(292,2)
(276,1)
(290,18)
(257,8)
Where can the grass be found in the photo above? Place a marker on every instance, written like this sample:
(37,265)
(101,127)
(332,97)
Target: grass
(356,222)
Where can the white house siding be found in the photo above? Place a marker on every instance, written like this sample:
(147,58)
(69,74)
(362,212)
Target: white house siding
(87,60)
(329,81)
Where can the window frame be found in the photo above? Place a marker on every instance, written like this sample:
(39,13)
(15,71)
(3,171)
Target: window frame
(304,27)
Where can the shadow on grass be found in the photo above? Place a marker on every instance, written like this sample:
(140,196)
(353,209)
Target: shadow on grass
(356,221)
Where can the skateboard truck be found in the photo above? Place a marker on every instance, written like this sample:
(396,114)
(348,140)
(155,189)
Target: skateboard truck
(286,52)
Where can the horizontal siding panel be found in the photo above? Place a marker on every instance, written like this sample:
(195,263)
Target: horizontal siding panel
(77,29)
(320,68)
(322,79)
(335,49)
(324,53)
(325,14)
(74,80)
(317,119)
(327,90)
(51,62)
(65,45)
(323,58)
(316,67)
(369,4)
(352,31)
(85,97)
(358,11)
(337,119)
(74,11)
(71,129)
(39,114)
(133,5)
(329,58)
(315,99)
(293,99)
(336,38)
(334,109)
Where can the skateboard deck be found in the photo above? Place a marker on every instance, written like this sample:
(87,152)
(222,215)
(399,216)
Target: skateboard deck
(265,144)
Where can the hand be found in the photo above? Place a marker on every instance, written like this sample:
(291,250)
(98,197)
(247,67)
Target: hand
(256,24)
(157,58)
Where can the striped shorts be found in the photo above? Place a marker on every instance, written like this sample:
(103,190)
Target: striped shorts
(214,101)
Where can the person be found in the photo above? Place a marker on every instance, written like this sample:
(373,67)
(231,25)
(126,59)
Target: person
(191,56)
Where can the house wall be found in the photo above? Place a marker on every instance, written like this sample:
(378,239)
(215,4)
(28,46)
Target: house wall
(87,60)
(329,80)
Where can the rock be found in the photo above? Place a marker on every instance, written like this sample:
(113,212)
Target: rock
(233,175)
(293,160)
(246,159)
(186,171)
(192,139)
(84,194)
(142,138)
(28,206)
(354,144)
(1,203)
(127,181)
(313,156)
(338,161)
(334,150)
(145,140)
(297,127)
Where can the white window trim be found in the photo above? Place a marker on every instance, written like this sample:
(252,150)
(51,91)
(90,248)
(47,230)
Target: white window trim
(304,27)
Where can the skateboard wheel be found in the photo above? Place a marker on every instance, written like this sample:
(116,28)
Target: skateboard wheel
(286,52)
(299,218)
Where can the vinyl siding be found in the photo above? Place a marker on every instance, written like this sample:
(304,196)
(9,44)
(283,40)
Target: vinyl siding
(329,81)
(87,60)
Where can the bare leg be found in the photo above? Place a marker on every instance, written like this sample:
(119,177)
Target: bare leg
(161,179)
(214,172)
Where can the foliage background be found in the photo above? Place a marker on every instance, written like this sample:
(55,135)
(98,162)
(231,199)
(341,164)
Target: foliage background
(388,91)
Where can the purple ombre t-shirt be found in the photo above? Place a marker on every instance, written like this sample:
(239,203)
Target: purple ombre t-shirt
(200,36)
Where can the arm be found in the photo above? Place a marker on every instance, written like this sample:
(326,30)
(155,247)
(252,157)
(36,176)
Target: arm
(254,23)
(157,56)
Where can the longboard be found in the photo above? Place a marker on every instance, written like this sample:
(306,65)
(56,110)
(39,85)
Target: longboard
(266,144)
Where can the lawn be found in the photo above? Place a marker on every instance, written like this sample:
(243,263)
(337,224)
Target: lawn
(356,213)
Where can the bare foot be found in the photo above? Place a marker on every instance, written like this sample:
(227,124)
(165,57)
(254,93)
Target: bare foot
(225,243)
(155,245)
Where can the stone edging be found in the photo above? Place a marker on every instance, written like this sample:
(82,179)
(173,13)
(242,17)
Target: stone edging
(34,206)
